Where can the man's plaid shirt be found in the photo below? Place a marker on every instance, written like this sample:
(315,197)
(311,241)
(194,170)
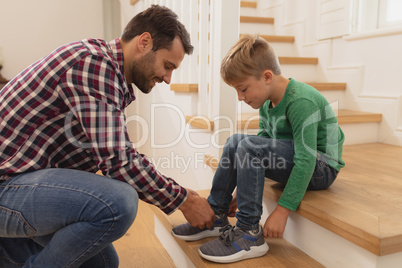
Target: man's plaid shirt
(67,111)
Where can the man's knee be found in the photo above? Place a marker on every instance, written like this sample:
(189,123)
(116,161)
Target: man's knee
(125,207)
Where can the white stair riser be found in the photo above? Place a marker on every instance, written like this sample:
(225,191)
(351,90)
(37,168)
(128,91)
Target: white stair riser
(178,256)
(329,249)
(360,133)
(256,28)
(248,11)
(335,96)
(284,49)
(300,72)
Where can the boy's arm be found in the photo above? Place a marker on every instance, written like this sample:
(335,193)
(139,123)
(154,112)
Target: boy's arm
(304,117)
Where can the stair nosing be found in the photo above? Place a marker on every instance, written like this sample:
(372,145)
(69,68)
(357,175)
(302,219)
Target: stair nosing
(256,19)
(298,60)
(320,86)
(248,4)
(344,117)
(276,38)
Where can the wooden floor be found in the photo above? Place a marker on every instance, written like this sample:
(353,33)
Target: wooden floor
(364,205)
(139,247)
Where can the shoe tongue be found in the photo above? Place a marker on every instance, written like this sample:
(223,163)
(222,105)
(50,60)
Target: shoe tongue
(253,232)
(250,232)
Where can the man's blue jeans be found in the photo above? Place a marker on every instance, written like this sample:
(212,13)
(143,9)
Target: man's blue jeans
(245,162)
(63,218)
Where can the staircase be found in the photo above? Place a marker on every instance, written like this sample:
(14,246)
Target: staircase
(355,223)
(302,69)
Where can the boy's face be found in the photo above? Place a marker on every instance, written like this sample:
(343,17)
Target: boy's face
(252,91)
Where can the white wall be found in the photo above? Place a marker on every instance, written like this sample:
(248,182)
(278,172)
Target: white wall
(30,30)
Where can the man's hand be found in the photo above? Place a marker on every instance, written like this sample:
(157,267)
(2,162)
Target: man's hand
(233,205)
(197,211)
(275,224)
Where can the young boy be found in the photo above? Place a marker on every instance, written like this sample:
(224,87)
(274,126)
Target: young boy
(299,144)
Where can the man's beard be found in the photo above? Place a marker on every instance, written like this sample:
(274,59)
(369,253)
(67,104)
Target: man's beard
(142,72)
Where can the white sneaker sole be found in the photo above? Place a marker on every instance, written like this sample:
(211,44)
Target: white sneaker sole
(254,252)
(200,235)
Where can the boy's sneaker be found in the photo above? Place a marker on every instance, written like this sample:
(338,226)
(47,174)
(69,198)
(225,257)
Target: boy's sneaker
(190,233)
(235,244)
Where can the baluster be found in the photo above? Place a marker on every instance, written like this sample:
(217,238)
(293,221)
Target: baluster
(203,105)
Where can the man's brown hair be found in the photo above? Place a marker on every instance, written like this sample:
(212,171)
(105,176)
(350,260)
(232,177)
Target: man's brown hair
(163,25)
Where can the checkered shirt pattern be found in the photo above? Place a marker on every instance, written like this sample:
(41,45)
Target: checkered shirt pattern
(67,111)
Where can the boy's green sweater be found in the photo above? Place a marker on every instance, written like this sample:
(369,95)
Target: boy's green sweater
(306,117)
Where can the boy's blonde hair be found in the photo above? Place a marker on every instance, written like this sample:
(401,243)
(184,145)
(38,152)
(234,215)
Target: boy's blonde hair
(250,56)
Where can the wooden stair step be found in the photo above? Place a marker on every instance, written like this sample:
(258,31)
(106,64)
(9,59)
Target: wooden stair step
(363,204)
(351,117)
(295,60)
(140,247)
(201,122)
(320,86)
(277,38)
(280,254)
(253,19)
(184,87)
(298,60)
(250,120)
(248,4)
(324,86)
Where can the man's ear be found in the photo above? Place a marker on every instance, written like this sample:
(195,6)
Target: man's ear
(268,76)
(145,42)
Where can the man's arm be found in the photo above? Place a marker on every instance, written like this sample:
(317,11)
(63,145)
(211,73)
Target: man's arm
(97,124)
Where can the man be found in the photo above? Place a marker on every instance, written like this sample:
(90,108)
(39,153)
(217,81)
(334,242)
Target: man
(62,120)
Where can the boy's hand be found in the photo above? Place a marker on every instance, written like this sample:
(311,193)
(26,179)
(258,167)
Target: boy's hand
(197,211)
(275,224)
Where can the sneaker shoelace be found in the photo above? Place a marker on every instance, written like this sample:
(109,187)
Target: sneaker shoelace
(227,234)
